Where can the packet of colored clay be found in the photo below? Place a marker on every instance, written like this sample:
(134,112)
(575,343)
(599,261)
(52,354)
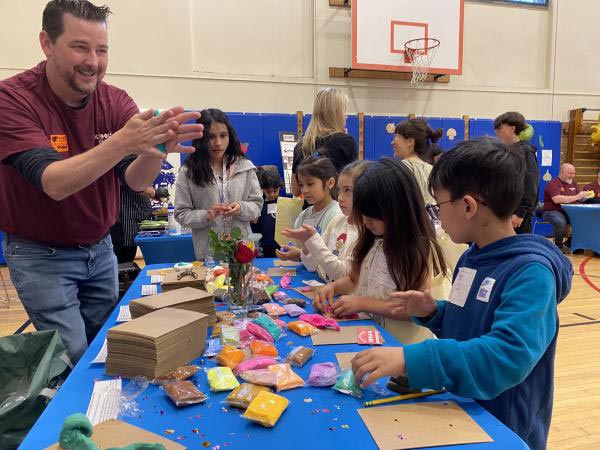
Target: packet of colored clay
(274,310)
(346,384)
(259,362)
(230,356)
(268,325)
(285,377)
(230,336)
(260,348)
(299,356)
(266,408)
(221,379)
(179,374)
(302,328)
(293,310)
(242,396)
(323,374)
(184,393)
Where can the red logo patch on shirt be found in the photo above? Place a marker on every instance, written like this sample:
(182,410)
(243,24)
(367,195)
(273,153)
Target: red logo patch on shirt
(59,142)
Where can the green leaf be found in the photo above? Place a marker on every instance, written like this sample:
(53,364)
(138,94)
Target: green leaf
(236,233)
(212,235)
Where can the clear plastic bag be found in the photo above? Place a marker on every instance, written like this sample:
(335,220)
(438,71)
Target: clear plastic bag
(346,384)
(260,348)
(230,356)
(242,396)
(221,379)
(302,328)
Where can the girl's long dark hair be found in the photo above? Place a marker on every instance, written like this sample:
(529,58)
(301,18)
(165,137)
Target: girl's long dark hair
(424,136)
(320,167)
(388,191)
(198,163)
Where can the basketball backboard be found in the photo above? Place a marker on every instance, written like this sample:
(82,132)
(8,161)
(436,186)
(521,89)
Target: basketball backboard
(380,29)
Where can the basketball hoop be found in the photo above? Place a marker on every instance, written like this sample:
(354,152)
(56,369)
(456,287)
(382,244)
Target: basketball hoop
(420,53)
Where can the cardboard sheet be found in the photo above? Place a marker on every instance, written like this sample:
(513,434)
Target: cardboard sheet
(425,424)
(281,263)
(114,433)
(280,271)
(346,335)
(344,359)
(288,210)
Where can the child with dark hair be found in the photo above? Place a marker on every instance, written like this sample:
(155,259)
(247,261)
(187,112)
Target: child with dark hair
(270,183)
(497,331)
(217,186)
(508,127)
(394,251)
(317,179)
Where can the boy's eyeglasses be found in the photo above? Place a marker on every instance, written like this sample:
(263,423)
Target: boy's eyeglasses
(434,210)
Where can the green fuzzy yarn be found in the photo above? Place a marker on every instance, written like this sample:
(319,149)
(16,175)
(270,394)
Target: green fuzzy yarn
(527,134)
(76,432)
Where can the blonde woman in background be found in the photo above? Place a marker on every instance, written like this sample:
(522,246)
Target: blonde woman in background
(326,134)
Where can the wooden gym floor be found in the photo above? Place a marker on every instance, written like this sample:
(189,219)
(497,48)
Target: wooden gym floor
(576,417)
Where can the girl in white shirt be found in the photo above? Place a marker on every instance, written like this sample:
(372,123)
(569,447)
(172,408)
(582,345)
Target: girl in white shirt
(317,178)
(330,255)
(394,250)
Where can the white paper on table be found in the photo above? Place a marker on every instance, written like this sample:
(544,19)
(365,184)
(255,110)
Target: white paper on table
(546,158)
(313,283)
(124,314)
(149,289)
(101,356)
(105,402)
(156,279)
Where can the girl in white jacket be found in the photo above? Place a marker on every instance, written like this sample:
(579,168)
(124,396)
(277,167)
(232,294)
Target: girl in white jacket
(330,254)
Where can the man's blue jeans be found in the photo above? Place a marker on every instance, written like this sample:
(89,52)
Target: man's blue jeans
(559,223)
(72,290)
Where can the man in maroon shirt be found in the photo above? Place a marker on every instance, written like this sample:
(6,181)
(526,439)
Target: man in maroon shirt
(559,191)
(66,139)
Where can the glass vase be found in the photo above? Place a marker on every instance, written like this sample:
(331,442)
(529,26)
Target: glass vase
(239,292)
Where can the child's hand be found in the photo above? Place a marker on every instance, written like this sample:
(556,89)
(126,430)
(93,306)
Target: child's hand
(233,209)
(215,211)
(324,297)
(291,253)
(378,363)
(302,234)
(413,303)
(347,305)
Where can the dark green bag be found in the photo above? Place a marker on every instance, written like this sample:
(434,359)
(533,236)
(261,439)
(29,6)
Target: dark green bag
(32,367)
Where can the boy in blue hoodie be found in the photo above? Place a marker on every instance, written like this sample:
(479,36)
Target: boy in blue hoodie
(497,331)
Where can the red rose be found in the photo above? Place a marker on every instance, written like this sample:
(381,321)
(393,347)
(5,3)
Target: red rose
(243,254)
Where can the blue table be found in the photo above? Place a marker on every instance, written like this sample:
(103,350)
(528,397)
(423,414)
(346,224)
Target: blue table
(585,220)
(1,254)
(166,249)
(313,420)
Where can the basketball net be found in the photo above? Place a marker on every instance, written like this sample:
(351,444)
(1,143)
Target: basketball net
(420,54)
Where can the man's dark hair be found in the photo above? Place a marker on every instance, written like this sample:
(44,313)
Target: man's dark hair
(512,119)
(484,168)
(53,16)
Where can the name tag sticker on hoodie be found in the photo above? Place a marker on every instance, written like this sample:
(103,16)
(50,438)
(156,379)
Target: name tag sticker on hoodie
(485,290)
(461,286)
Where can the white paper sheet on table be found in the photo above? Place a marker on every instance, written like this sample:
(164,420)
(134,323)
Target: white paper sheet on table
(154,279)
(149,289)
(101,356)
(105,402)
(124,314)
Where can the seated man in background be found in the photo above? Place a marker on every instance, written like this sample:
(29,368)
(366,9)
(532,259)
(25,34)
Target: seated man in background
(561,190)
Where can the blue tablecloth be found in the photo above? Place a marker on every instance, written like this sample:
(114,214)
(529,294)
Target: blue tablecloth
(166,249)
(317,418)
(585,220)
(1,253)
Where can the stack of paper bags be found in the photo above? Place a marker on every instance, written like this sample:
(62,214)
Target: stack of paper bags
(156,343)
(171,282)
(187,298)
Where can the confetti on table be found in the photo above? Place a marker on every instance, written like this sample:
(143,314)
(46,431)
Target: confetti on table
(345,427)
(169,431)
(206,444)
(331,428)
(180,438)
(195,430)
(308,400)
(326,410)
